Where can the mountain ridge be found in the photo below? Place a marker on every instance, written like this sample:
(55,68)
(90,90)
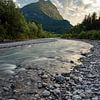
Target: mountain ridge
(46,14)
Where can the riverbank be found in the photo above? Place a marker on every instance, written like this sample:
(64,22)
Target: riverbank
(82,83)
(27,42)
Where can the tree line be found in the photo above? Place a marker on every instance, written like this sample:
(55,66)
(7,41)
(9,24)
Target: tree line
(88,29)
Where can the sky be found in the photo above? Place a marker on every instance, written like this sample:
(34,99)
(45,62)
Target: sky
(72,10)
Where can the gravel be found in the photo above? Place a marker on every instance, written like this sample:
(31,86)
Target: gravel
(82,83)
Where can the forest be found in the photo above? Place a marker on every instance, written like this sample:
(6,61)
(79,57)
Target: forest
(88,29)
(13,25)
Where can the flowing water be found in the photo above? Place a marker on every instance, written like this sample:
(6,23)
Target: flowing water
(56,56)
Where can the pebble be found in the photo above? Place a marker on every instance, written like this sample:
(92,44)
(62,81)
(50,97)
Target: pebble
(46,93)
(44,84)
(56,85)
(44,76)
(82,83)
(95,98)
(77,97)
(56,91)
(59,79)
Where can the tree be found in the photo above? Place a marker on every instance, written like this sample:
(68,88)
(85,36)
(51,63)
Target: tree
(11,20)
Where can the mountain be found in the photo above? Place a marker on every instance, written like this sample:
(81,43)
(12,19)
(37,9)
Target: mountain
(46,14)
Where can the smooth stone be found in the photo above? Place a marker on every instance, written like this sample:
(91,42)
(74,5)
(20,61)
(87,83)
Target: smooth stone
(80,79)
(44,84)
(36,95)
(59,78)
(46,93)
(21,69)
(82,95)
(50,98)
(56,85)
(95,98)
(90,76)
(88,91)
(77,97)
(5,89)
(56,91)
(44,76)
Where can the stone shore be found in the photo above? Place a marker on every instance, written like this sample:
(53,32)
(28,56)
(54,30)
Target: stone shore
(34,83)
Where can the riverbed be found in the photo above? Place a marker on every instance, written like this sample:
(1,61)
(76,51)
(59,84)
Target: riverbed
(32,82)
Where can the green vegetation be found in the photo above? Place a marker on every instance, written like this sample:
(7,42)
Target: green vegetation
(13,25)
(83,35)
(88,29)
(47,14)
(49,9)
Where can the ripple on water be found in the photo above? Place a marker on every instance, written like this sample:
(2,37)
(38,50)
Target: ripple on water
(7,69)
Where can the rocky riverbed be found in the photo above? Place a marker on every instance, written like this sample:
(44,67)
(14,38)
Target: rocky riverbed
(35,83)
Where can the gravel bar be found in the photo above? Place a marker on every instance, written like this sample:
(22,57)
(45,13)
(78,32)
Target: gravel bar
(33,83)
(28,42)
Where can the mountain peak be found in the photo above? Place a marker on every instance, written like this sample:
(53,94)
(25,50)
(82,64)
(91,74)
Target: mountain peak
(46,13)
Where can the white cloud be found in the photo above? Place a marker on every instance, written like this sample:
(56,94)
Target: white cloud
(75,10)
(72,10)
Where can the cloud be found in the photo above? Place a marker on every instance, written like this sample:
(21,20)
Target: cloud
(75,10)
(72,10)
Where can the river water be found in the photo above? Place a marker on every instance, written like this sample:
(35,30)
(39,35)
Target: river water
(53,56)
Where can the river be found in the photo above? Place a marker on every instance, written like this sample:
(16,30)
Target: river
(53,55)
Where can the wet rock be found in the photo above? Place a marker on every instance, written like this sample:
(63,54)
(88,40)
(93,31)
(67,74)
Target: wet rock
(59,79)
(45,93)
(51,87)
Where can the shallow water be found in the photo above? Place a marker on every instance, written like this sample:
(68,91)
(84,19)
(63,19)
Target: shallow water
(53,56)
